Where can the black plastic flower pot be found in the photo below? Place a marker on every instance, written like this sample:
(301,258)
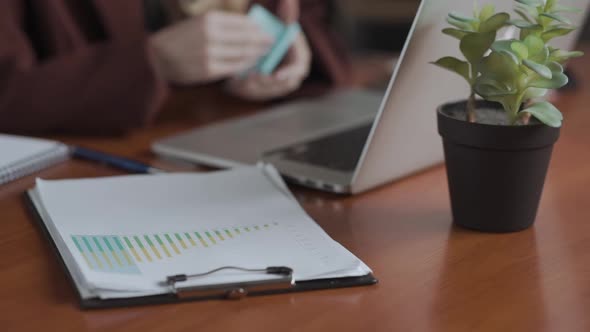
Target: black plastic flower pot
(495,172)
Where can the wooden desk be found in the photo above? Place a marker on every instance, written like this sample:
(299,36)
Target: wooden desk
(433,276)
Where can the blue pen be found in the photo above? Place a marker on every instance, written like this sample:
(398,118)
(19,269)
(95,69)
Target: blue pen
(125,164)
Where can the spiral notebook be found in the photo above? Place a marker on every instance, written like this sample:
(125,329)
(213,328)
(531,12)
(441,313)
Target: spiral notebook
(21,156)
(164,238)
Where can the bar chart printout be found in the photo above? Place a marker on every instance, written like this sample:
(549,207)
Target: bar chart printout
(125,253)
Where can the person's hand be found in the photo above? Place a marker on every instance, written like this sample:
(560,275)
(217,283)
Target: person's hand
(288,77)
(210,47)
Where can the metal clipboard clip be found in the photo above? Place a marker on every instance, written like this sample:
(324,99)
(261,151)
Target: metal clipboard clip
(235,290)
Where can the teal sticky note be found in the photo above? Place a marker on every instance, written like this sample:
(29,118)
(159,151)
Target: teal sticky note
(284,36)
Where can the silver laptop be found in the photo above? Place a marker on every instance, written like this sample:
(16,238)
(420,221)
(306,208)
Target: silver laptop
(352,140)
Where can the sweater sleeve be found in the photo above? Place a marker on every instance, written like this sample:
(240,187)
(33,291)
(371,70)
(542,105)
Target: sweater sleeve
(107,86)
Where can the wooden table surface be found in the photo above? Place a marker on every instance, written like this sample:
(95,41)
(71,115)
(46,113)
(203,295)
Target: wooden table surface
(433,276)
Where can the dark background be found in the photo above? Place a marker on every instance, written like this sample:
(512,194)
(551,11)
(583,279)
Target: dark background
(381,24)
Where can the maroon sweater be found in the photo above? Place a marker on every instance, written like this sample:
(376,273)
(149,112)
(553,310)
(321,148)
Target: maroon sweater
(57,72)
(84,66)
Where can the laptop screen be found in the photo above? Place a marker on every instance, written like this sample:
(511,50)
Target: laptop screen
(373,33)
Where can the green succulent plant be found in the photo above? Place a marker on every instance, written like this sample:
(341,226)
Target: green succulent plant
(476,35)
(518,71)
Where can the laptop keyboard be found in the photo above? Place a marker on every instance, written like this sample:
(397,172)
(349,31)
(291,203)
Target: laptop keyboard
(340,151)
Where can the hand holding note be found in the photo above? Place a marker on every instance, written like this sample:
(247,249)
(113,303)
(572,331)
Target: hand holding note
(290,54)
(209,47)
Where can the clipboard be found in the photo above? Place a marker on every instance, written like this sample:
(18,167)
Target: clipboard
(216,292)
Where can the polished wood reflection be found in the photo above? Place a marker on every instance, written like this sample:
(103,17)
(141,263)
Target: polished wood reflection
(433,276)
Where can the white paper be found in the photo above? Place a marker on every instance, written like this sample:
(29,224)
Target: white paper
(127,234)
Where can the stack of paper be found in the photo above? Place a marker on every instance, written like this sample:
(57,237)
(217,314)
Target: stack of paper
(123,236)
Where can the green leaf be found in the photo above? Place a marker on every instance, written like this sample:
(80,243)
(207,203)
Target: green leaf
(462,18)
(538,52)
(532,11)
(523,15)
(557,32)
(556,17)
(528,2)
(557,81)
(486,12)
(459,24)
(459,34)
(575,54)
(455,65)
(522,24)
(501,68)
(503,45)
(475,45)
(494,23)
(512,56)
(549,4)
(540,57)
(534,28)
(555,67)
(546,113)
(538,68)
(534,44)
(496,84)
(489,91)
(534,93)
(562,56)
(520,49)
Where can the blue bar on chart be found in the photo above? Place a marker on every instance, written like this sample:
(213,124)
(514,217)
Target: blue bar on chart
(124,254)
(105,253)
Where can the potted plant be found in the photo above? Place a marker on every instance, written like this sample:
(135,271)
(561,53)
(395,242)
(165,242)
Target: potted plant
(497,150)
